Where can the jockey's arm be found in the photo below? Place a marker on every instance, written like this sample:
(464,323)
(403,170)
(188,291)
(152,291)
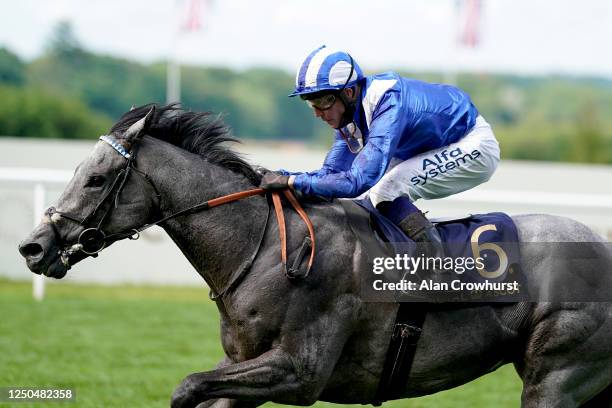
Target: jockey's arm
(368,166)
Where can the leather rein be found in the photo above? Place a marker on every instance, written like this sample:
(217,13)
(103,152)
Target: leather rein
(92,240)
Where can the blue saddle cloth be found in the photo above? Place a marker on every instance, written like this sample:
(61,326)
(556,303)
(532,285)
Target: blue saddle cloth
(493,237)
(457,230)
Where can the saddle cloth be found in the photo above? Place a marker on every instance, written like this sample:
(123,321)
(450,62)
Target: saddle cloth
(490,240)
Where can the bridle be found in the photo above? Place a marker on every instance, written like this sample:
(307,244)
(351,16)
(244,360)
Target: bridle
(93,239)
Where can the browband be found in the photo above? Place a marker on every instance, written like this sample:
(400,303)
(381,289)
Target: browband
(116,145)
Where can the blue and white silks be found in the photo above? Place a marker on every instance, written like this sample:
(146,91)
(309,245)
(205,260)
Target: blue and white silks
(397,118)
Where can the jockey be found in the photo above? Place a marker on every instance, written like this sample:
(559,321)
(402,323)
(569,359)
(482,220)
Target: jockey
(396,140)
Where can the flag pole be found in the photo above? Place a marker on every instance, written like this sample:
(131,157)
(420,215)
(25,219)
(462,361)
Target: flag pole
(38,282)
(185,23)
(173,81)
(467,20)
(173,69)
(450,73)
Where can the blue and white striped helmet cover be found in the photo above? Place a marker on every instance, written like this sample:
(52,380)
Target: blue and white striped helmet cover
(323,69)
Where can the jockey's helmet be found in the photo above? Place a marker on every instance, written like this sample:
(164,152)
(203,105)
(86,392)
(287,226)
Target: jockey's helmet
(326,69)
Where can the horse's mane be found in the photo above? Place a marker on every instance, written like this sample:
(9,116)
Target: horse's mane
(202,133)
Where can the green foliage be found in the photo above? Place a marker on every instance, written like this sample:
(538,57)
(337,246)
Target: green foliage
(63,41)
(545,118)
(539,118)
(11,68)
(255,102)
(108,85)
(36,113)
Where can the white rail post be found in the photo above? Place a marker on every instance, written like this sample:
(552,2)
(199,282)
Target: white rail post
(38,281)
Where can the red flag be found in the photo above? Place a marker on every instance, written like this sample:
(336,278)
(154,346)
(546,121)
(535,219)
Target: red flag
(192,21)
(470,28)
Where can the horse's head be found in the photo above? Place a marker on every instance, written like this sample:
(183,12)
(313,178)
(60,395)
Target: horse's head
(106,199)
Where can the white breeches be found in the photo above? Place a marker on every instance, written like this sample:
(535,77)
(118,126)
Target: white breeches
(441,172)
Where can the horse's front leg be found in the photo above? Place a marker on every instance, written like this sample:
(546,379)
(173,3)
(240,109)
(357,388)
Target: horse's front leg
(271,376)
(225,402)
(295,372)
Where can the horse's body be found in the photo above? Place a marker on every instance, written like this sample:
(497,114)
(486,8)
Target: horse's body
(300,341)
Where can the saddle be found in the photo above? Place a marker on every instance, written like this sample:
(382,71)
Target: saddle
(474,235)
(481,251)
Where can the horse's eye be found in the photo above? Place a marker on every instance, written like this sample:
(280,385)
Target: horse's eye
(95,181)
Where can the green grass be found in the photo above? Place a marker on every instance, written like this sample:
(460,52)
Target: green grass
(130,346)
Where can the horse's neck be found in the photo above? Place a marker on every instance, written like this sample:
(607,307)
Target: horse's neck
(216,241)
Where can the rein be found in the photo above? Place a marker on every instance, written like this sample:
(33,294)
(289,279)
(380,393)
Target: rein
(92,240)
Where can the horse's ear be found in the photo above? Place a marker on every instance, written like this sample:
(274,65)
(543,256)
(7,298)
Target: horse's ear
(135,132)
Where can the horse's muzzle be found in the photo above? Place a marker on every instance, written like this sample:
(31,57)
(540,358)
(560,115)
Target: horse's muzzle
(41,253)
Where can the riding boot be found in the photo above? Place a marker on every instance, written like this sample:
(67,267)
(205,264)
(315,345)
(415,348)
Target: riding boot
(422,231)
(413,222)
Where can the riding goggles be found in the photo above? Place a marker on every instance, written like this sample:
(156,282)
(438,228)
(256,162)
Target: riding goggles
(322,102)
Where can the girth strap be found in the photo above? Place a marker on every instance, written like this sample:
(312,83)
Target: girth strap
(402,349)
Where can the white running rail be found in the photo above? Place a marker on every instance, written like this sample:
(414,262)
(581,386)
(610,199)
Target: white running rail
(40,179)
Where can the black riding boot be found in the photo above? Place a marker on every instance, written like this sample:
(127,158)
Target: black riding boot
(413,222)
(422,231)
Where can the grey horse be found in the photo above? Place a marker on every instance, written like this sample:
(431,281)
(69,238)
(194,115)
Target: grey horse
(299,341)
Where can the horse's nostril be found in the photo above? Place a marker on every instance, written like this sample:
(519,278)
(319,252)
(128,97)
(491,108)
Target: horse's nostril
(31,250)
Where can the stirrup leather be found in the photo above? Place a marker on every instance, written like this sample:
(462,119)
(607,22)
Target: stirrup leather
(415,224)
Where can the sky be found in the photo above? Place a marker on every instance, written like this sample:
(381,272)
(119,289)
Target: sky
(517,36)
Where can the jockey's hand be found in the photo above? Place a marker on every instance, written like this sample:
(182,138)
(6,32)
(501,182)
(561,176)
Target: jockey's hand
(274,181)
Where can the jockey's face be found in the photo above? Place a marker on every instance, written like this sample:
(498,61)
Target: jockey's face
(333,115)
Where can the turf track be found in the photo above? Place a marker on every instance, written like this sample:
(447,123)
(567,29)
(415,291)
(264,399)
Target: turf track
(130,346)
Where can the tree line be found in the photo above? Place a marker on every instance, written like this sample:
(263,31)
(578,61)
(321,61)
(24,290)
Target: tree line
(70,92)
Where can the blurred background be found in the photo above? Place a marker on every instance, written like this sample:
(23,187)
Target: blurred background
(539,71)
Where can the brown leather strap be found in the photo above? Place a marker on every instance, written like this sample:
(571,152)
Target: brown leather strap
(234,196)
(298,208)
(278,208)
